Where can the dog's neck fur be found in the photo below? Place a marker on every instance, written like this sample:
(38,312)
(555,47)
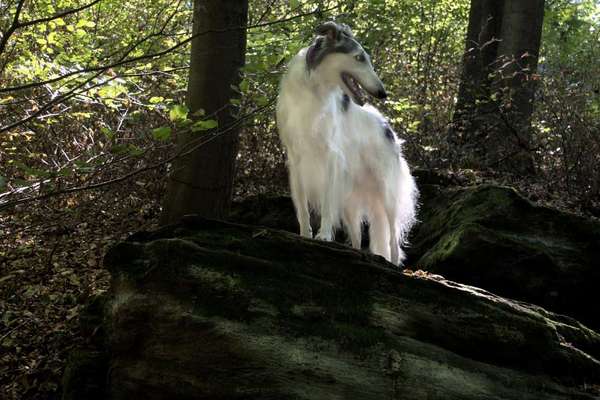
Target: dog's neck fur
(311,82)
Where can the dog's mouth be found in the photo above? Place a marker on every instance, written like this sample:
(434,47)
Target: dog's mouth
(358,94)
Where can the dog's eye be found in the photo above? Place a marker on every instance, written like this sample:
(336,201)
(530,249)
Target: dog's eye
(360,58)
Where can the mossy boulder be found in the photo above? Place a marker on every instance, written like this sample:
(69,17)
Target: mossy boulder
(487,236)
(85,376)
(213,310)
(491,237)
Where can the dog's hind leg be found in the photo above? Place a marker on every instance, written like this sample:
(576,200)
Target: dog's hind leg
(327,221)
(392,210)
(379,231)
(353,225)
(396,254)
(301,204)
(330,202)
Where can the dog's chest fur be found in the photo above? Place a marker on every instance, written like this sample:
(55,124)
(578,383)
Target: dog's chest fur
(301,109)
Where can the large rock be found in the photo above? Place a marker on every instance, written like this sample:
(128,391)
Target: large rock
(491,237)
(213,310)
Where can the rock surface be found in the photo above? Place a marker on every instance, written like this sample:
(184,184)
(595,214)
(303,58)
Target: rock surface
(213,310)
(489,237)
(493,238)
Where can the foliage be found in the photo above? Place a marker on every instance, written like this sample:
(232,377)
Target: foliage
(127,106)
(568,107)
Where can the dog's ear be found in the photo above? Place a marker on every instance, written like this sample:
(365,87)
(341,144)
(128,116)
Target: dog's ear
(329,29)
(346,30)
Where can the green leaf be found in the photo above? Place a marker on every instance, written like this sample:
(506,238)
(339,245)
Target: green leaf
(2,182)
(244,86)
(156,99)
(115,149)
(262,101)
(52,38)
(110,135)
(135,150)
(204,125)
(112,91)
(178,112)
(199,113)
(65,172)
(85,23)
(163,133)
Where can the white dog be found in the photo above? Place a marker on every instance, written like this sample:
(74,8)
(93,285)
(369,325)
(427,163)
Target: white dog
(344,159)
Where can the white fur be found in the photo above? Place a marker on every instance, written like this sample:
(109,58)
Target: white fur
(341,164)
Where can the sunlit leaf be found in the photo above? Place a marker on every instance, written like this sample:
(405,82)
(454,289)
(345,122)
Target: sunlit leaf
(156,99)
(204,125)
(178,112)
(163,133)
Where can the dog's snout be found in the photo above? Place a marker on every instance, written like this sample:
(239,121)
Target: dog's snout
(382,94)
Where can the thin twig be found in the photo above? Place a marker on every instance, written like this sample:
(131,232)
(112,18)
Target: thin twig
(123,61)
(182,153)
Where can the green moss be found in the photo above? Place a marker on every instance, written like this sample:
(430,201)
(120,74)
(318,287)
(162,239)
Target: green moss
(227,272)
(353,337)
(216,280)
(491,237)
(443,249)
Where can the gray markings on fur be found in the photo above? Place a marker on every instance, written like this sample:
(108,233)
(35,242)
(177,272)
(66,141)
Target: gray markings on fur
(345,102)
(322,46)
(389,132)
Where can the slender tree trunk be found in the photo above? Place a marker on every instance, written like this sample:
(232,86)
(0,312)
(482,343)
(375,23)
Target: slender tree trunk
(485,21)
(202,182)
(492,121)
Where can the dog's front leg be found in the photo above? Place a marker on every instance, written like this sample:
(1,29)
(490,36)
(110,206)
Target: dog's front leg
(326,229)
(300,203)
(329,202)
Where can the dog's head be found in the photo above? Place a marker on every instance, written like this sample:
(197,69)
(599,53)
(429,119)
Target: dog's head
(338,55)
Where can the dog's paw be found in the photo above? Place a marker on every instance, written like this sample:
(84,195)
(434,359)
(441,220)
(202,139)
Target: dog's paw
(325,236)
(307,233)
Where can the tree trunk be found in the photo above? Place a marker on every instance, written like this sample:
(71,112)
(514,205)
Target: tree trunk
(492,121)
(201,182)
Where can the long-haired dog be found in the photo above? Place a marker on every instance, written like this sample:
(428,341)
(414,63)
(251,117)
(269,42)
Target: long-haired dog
(344,159)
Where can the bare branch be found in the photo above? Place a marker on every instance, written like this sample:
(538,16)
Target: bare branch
(13,27)
(124,61)
(56,100)
(202,140)
(58,15)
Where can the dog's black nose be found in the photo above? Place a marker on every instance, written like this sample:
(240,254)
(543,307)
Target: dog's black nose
(382,94)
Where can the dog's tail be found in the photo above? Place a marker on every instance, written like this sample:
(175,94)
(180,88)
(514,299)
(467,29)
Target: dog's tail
(408,197)
(400,212)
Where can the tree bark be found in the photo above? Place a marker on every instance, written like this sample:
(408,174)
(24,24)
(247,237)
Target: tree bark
(492,120)
(201,182)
